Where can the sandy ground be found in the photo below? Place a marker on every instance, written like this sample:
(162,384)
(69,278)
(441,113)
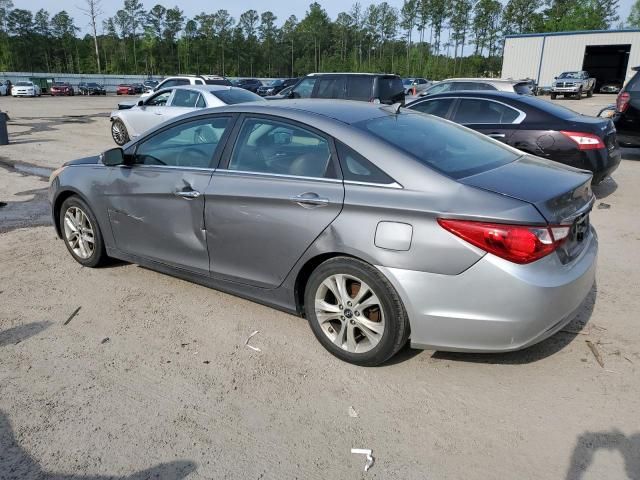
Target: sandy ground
(151,377)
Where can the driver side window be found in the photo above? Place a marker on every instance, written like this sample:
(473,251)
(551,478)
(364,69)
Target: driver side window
(305,88)
(189,144)
(159,100)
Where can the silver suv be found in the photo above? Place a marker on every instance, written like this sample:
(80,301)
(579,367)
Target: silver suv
(522,87)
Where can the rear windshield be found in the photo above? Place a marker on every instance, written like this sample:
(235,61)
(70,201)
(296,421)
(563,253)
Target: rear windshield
(222,81)
(236,95)
(551,108)
(634,83)
(389,87)
(451,149)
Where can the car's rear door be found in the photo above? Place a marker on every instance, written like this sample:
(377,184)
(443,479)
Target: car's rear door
(490,117)
(440,107)
(156,202)
(276,191)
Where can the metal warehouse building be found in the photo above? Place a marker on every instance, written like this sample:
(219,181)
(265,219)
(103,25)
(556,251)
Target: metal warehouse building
(606,54)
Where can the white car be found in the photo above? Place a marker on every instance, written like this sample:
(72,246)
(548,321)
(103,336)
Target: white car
(172,102)
(25,89)
(3,89)
(185,80)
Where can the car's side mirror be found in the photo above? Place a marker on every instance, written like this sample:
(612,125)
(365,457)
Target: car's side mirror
(293,94)
(141,103)
(113,157)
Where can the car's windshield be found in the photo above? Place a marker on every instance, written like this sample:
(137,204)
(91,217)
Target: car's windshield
(24,84)
(59,84)
(236,95)
(407,81)
(93,84)
(451,149)
(570,75)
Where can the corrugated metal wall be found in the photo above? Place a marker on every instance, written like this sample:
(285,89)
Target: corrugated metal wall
(560,53)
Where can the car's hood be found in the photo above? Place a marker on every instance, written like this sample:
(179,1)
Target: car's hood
(558,192)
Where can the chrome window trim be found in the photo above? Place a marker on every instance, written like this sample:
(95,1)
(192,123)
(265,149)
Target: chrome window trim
(277,175)
(519,119)
(225,171)
(394,185)
(167,167)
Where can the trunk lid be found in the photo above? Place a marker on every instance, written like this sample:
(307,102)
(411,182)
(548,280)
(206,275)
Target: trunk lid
(561,194)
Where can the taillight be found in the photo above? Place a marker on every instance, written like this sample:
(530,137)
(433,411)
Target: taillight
(516,243)
(622,102)
(584,140)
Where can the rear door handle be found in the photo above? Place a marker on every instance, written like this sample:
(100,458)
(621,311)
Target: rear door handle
(188,194)
(496,135)
(310,200)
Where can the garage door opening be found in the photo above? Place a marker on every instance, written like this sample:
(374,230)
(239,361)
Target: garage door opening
(607,63)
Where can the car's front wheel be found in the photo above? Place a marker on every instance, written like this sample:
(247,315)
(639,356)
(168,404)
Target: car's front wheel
(119,132)
(355,312)
(81,232)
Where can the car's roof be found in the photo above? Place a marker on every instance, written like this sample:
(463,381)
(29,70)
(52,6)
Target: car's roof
(486,80)
(345,111)
(205,88)
(316,74)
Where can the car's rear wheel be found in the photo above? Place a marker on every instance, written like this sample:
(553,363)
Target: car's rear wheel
(553,96)
(590,92)
(354,312)
(81,232)
(119,132)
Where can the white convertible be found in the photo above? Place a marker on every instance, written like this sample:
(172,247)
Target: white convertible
(172,102)
(25,89)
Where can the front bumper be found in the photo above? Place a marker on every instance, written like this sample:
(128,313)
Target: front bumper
(565,89)
(23,93)
(496,305)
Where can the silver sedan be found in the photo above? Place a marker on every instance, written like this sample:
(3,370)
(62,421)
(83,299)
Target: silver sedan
(377,224)
(172,102)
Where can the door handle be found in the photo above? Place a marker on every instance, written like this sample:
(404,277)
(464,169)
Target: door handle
(310,200)
(188,194)
(496,135)
(158,113)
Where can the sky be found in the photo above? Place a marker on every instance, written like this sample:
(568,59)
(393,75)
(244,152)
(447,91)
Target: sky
(281,8)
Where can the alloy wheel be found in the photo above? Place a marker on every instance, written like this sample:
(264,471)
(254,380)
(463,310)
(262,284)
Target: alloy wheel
(118,133)
(79,233)
(349,313)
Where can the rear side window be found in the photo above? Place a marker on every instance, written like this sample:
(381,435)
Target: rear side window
(439,107)
(330,87)
(484,111)
(451,149)
(184,98)
(356,168)
(359,88)
(389,87)
(236,95)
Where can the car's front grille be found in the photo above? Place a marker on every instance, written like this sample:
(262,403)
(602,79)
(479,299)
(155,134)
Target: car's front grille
(565,84)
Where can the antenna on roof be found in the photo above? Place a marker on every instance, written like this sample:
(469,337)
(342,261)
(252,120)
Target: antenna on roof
(395,108)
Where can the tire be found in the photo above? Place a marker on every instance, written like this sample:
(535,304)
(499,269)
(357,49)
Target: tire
(81,234)
(344,323)
(579,95)
(590,92)
(119,132)
(553,96)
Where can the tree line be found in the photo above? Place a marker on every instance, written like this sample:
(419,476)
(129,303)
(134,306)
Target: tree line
(431,38)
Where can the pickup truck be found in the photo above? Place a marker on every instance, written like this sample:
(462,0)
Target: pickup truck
(573,84)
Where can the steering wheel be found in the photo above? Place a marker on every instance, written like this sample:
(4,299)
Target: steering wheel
(191,156)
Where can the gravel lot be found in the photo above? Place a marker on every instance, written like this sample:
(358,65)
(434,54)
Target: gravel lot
(151,377)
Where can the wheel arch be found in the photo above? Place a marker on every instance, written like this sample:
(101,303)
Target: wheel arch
(57,205)
(304,273)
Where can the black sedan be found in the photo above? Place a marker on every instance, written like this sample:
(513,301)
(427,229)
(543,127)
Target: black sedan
(91,88)
(276,86)
(532,125)
(251,84)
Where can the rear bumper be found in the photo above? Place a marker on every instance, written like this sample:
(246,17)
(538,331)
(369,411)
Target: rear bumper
(565,89)
(602,162)
(496,305)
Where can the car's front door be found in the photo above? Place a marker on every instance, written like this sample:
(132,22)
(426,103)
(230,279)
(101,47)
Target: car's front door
(183,101)
(151,113)
(492,118)
(156,202)
(276,191)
